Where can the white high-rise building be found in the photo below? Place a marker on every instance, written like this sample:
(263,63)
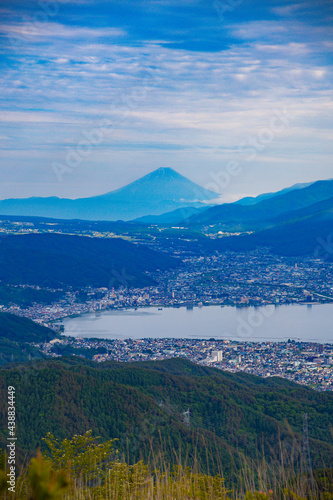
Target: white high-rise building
(217,355)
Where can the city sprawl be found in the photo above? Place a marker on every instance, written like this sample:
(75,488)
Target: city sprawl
(257,278)
(302,362)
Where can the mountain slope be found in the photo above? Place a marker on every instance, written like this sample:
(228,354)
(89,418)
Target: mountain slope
(253,215)
(252,200)
(15,335)
(161,191)
(20,329)
(174,217)
(305,237)
(321,210)
(57,260)
(143,405)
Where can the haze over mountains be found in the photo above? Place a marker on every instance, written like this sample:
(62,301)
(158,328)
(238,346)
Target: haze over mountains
(160,191)
(165,196)
(290,222)
(266,210)
(251,200)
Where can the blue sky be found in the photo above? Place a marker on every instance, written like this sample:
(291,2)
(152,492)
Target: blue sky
(235,94)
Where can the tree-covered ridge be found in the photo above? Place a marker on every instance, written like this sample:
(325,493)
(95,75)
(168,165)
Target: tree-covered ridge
(26,296)
(143,405)
(58,260)
(289,239)
(20,329)
(16,333)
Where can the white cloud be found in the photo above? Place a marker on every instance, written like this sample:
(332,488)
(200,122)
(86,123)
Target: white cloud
(33,117)
(281,32)
(289,10)
(291,48)
(187,109)
(32,29)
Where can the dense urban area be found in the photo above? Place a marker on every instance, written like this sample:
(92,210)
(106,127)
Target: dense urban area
(303,362)
(245,279)
(256,278)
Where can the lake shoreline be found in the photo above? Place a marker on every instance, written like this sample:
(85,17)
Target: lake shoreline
(273,322)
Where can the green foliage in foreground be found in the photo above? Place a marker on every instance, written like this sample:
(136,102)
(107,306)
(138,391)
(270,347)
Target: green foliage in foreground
(81,468)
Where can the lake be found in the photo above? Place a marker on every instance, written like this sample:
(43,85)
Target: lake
(308,323)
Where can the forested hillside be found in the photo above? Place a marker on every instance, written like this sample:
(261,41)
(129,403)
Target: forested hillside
(16,334)
(57,260)
(305,237)
(142,404)
(246,216)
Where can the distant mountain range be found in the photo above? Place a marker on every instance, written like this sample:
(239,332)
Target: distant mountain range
(166,197)
(299,222)
(250,212)
(293,221)
(160,191)
(252,200)
(267,212)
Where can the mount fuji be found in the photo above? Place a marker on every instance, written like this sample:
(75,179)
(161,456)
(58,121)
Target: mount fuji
(163,190)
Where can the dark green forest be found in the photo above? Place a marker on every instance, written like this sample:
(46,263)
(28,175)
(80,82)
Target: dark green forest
(16,334)
(142,404)
(292,239)
(58,260)
(27,296)
(20,329)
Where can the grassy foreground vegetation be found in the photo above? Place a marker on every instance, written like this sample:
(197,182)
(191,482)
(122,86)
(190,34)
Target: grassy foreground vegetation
(244,429)
(143,404)
(83,468)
